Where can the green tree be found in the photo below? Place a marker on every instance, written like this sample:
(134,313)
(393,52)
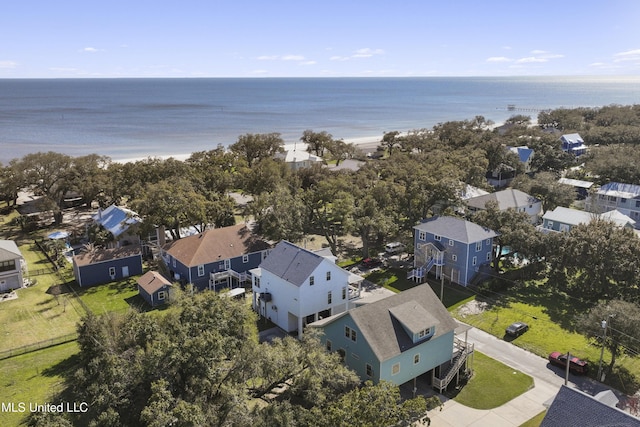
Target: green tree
(546,188)
(623,324)
(317,142)
(12,180)
(280,214)
(255,147)
(390,140)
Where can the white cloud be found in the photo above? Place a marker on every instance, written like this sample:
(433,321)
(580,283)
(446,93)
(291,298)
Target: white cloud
(89,50)
(530,59)
(339,58)
(268,57)
(367,53)
(539,56)
(498,59)
(8,65)
(629,55)
(308,63)
(292,58)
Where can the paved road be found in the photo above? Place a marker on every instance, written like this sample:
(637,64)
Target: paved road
(547,381)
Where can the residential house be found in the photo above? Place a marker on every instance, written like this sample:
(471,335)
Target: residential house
(121,223)
(525,154)
(574,408)
(154,288)
(573,143)
(98,266)
(582,187)
(564,219)
(297,157)
(217,258)
(616,195)
(452,247)
(398,338)
(508,199)
(294,287)
(11,261)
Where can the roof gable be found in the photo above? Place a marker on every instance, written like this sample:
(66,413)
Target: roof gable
(152,281)
(292,263)
(509,198)
(103,255)
(382,323)
(116,219)
(456,229)
(214,245)
(9,250)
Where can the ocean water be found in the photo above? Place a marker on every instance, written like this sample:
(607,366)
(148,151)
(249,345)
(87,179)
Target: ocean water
(134,118)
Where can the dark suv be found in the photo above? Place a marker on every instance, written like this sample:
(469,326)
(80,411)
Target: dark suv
(516,329)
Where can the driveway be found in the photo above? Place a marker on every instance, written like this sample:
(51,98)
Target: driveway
(547,382)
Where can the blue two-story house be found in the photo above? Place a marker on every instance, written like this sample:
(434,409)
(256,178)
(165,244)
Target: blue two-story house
(451,246)
(215,259)
(397,339)
(573,143)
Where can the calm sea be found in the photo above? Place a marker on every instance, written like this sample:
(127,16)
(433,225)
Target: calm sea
(133,118)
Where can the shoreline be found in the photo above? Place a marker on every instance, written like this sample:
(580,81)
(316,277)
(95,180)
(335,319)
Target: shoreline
(365,143)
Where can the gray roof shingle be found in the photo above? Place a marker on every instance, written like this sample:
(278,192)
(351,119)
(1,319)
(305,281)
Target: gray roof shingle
(456,229)
(381,322)
(509,198)
(291,263)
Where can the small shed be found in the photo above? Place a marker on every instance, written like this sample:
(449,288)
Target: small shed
(154,288)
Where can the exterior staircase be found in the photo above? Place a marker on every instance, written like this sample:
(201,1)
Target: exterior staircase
(462,353)
(421,272)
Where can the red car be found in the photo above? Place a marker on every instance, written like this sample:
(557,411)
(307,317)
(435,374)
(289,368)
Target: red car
(371,262)
(576,365)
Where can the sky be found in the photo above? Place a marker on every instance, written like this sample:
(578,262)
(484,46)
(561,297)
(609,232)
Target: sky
(324,38)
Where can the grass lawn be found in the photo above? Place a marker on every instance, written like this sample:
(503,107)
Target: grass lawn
(493,384)
(115,296)
(535,421)
(34,377)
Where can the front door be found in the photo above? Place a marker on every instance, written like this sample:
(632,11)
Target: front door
(125,271)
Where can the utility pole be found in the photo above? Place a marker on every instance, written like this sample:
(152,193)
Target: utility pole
(566,373)
(604,324)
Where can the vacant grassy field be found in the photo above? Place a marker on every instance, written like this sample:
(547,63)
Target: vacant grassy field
(116,296)
(493,384)
(34,377)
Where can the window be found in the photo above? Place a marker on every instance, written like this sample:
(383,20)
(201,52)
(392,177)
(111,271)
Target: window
(488,242)
(344,292)
(549,224)
(450,242)
(112,271)
(201,270)
(227,264)
(312,280)
(416,359)
(612,198)
(437,238)
(329,297)
(256,281)
(395,369)
(342,354)
(488,256)
(637,203)
(162,295)
(328,345)
(423,333)
(623,200)
(245,259)
(454,257)
(369,369)
(474,261)
(350,333)
(173,262)
(422,235)
(478,246)
(8,265)
(328,275)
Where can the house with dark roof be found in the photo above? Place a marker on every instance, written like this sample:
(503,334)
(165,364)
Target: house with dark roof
(452,247)
(509,198)
(154,288)
(574,408)
(573,143)
(581,187)
(217,258)
(616,195)
(398,338)
(294,287)
(100,266)
(121,223)
(11,260)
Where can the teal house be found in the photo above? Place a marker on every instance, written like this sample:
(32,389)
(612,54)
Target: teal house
(398,338)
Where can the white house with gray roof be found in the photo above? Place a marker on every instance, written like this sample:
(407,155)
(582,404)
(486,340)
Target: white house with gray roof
(564,219)
(398,338)
(616,195)
(11,260)
(508,199)
(293,287)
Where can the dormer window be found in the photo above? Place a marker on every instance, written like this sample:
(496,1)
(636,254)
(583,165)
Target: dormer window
(423,333)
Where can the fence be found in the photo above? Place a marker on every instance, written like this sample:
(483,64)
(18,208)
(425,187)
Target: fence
(38,346)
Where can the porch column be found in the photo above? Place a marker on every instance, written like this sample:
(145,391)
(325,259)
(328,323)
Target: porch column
(299,327)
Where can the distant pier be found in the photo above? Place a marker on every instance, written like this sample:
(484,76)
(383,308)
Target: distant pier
(513,107)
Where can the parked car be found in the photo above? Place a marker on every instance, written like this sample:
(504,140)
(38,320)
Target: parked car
(394,248)
(516,329)
(372,262)
(576,365)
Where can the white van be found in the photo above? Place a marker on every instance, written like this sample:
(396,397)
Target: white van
(394,248)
